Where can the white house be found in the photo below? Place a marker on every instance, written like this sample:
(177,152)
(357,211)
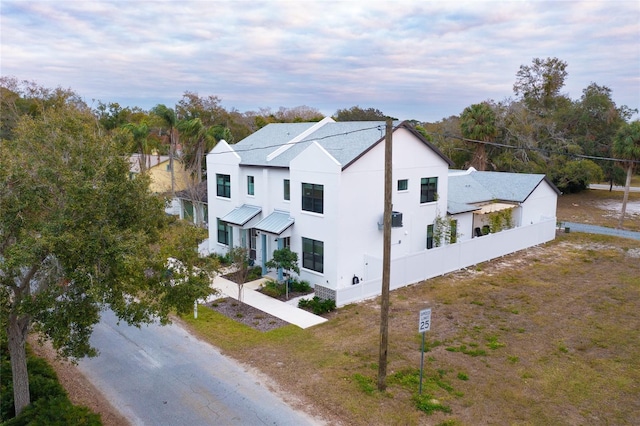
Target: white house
(318,188)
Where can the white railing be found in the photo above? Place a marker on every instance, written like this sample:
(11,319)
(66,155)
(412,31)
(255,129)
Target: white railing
(427,264)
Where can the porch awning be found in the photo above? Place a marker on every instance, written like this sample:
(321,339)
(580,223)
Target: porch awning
(494,207)
(241,215)
(276,223)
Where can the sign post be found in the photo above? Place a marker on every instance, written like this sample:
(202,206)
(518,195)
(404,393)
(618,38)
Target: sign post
(424,325)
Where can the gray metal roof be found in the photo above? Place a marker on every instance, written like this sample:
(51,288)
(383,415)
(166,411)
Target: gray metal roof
(276,223)
(479,187)
(241,215)
(345,141)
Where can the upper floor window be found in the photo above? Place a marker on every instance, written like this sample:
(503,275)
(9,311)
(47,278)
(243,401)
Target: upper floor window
(250,185)
(403,184)
(313,255)
(223,186)
(287,189)
(313,197)
(428,189)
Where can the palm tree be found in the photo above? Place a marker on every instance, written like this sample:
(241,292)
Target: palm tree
(626,147)
(140,133)
(478,122)
(168,116)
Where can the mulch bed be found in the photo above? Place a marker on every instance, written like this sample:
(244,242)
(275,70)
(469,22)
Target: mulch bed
(246,314)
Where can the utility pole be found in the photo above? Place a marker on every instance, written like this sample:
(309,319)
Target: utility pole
(386,261)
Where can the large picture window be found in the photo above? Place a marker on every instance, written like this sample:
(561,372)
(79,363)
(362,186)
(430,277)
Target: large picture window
(224,236)
(428,189)
(312,197)
(313,255)
(223,186)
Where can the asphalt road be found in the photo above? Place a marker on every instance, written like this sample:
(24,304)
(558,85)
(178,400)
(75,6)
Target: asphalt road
(615,187)
(165,376)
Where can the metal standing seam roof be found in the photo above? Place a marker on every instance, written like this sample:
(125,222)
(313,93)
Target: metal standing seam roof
(276,223)
(241,215)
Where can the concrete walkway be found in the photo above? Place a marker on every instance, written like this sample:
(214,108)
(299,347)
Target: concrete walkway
(287,311)
(594,229)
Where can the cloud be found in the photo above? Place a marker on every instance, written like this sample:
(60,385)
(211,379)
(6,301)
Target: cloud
(423,60)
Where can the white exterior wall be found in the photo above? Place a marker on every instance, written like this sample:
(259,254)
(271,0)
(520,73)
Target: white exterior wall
(221,160)
(540,205)
(362,204)
(315,165)
(465,225)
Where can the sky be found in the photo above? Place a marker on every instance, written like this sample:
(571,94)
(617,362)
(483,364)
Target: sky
(423,60)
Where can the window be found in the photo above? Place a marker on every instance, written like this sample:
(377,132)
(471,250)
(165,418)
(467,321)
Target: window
(312,197)
(313,255)
(428,189)
(403,184)
(223,233)
(287,189)
(187,210)
(429,236)
(223,185)
(286,242)
(453,228)
(250,185)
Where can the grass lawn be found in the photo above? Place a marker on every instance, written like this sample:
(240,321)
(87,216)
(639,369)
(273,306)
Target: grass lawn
(599,207)
(546,336)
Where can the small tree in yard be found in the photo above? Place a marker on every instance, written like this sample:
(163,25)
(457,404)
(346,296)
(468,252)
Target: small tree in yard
(240,263)
(286,260)
(78,236)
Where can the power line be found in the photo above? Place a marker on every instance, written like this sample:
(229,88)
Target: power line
(546,151)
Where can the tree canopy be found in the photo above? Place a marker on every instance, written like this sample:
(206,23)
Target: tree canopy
(78,236)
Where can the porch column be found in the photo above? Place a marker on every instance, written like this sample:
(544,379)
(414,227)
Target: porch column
(280,246)
(264,253)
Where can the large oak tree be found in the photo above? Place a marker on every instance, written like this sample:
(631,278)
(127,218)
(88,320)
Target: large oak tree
(78,236)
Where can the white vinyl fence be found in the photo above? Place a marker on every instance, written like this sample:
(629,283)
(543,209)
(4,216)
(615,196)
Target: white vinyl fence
(441,260)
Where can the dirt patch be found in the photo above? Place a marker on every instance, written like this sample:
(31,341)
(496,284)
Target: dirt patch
(246,314)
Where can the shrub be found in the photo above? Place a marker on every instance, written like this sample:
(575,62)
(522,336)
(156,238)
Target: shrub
(273,289)
(50,404)
(55,411)
(300,286)
(254,273)
(317,305)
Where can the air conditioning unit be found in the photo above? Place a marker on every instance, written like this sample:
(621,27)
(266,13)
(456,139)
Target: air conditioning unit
(396,220)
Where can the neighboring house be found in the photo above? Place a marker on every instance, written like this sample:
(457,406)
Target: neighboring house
(318,188)
(193,204)
(159,169)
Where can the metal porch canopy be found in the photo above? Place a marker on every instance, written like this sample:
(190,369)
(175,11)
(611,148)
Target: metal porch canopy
(276,223)
(241,215)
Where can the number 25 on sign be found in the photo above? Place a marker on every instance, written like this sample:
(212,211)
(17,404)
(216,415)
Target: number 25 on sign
(425,321)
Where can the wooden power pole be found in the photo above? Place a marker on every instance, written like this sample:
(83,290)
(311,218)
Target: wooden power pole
(386,261)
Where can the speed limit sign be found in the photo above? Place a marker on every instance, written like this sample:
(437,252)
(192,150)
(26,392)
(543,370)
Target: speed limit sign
(425,321)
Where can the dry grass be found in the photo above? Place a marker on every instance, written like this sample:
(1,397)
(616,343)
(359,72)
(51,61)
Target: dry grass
(545,336)
(598,207)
